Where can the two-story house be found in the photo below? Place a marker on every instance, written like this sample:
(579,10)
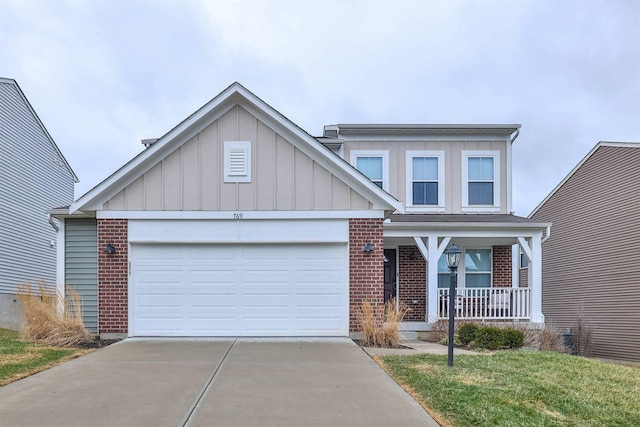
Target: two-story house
(34,176)
(455,185)
(239,223)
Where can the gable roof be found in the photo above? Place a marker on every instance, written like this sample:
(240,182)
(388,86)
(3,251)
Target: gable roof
(579,165)
(12,82)
(235,94)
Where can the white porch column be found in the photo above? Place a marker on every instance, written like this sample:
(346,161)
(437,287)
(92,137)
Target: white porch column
(432,279)
(535,278)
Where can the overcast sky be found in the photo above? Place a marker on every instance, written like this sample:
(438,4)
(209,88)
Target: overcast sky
(102,75)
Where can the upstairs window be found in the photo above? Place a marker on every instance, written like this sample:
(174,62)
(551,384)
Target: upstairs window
(425,183)
(374,165)
(481,174)
(477,268)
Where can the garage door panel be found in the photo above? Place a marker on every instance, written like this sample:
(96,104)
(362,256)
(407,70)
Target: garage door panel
(239,290)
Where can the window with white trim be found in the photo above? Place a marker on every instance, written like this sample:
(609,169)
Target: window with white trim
(481,180)
(237,161)
(425,180)
(374,165)
(477,268)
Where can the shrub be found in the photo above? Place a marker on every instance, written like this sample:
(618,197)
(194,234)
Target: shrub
(467,333)
(51,319)
(493,338)
(550,339)
(489,337)
(387,334)
(512,338)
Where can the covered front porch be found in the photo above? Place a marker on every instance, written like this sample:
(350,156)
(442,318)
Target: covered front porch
(498,279)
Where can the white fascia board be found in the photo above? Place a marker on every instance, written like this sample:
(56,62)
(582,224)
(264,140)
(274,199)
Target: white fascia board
(469,225)
(459,233)
(323,155)
(239,215)
(145,160)
(579,165)
(234,94)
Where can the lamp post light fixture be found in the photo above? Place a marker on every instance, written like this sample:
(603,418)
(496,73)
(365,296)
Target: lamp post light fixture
(453,259)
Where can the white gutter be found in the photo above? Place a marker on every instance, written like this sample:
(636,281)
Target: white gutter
(53,224)
(546,235)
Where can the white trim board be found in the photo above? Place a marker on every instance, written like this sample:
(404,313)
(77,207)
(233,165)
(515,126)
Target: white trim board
(239,215)
(236,94)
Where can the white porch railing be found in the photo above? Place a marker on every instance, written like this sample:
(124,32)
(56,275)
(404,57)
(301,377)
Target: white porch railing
(487,303)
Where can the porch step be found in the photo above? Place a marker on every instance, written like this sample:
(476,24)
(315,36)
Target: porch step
(408,335)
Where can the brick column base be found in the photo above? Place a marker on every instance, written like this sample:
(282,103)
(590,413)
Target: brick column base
(366,270)
(113,280)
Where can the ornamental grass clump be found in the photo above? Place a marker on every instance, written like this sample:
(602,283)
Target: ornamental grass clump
(51,319)
(386,334)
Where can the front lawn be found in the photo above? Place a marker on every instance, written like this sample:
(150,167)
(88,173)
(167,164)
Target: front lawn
(520,388)
(19,359)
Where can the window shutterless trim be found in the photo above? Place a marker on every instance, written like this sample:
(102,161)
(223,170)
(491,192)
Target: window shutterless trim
(466,207)
(410,207)
(384,154)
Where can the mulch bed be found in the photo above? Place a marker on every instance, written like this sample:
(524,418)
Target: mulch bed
(96,342)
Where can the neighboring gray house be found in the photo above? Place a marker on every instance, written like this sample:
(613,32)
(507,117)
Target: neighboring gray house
(34,176)
(590,260)
(239,223)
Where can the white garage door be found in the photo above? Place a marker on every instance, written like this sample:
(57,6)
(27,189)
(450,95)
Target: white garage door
(239,290)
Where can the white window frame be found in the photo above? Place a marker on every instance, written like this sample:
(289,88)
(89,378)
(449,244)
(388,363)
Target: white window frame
(410,207)
(465,181)
(235,145)
(384,154)
(464,265)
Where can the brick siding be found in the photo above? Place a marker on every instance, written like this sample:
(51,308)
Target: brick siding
(412,282)
(502,263)
(366,270)
(113,276)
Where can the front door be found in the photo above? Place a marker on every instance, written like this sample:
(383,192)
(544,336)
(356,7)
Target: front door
(389,274)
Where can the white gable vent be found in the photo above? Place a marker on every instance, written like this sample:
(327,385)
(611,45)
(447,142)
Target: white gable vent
(237,161)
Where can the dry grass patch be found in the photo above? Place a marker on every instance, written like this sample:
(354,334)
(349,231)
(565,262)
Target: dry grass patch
(19,359)
(51,319)
(387,334)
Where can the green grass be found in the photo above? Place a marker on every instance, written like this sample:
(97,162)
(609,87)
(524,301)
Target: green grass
(19,359)
(520,388)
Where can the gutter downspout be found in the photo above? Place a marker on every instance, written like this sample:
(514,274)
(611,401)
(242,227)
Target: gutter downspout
(53,224)
(546,235)
(515,136)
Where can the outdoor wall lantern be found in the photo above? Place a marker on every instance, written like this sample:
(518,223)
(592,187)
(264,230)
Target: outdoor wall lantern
(453,259)
(110,249)
(367,248)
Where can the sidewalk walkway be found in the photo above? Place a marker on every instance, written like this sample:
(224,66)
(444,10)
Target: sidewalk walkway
(415,347)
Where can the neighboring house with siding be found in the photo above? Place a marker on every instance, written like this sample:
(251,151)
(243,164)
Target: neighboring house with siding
(34,176)
(239,223)
(590,260)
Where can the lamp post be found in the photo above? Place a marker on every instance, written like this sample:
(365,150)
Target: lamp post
(453,259)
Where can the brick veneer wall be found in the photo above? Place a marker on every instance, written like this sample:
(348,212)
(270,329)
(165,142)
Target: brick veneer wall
(502,262)
(112,276)
(366,270)
(412,282)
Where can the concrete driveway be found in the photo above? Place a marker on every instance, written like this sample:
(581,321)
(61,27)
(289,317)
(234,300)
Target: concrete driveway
(213,383)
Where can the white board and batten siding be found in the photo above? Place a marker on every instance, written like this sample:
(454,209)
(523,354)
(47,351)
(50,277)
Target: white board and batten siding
(34,178)
(239,278)
(283,178)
